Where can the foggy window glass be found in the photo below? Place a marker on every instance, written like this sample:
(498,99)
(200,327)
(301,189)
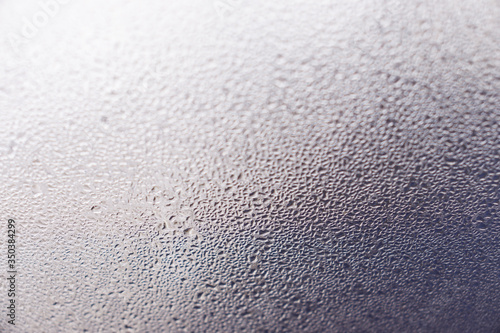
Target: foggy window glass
(249,166)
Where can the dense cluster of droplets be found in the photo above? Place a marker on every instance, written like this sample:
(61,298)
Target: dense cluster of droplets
(234,166)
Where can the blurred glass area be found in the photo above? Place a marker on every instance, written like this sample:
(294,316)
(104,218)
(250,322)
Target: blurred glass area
(251,166)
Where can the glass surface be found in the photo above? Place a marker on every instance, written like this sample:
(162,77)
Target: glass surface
(251,166)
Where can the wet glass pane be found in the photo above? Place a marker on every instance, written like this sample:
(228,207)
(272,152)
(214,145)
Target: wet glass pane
(249,166)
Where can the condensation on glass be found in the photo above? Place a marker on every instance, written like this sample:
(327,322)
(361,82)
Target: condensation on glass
(230,166)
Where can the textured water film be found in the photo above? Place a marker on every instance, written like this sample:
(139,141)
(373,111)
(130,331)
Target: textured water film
(252,166)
